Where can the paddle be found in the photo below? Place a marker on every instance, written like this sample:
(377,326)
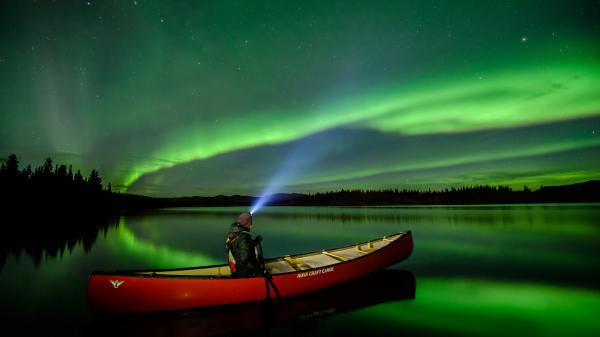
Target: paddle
(267,275)
(268,319)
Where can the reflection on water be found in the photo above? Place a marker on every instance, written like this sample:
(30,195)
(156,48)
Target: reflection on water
(157,254)
(381,287)
(480,307)
(481,270)
(574,216)
(51,235)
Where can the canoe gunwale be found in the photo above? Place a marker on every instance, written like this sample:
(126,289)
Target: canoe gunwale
(151,273)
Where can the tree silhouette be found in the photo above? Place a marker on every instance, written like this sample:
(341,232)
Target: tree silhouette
(53,187)
(47,167)
(94,181)
(12,166)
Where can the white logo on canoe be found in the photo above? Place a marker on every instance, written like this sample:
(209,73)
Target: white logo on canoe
(315,272)
(116,283)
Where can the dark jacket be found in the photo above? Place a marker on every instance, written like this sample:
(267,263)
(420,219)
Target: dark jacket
(241,252)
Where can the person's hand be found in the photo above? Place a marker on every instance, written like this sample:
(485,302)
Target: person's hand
(258,239)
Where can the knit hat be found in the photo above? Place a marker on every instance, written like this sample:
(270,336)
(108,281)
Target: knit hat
(245,219)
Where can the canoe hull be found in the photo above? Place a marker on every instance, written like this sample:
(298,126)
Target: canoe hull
(117,294)
(377,288)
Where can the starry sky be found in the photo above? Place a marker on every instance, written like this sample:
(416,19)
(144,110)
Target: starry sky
(170,98)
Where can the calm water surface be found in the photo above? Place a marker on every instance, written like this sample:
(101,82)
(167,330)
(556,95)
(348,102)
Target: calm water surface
(480,270)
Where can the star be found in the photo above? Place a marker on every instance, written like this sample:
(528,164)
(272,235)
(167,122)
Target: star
(524,38)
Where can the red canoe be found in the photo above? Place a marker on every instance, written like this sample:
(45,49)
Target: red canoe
(380,287)
(177,289)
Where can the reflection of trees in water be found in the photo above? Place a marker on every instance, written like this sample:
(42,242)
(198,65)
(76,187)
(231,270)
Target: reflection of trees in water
(476,215)
(52,210)
(52,235)
(536,216)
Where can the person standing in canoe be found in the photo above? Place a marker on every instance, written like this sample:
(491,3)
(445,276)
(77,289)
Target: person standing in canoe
(241,248)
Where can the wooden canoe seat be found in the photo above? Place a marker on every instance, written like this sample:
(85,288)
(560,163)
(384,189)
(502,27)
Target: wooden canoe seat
(335,256)
(297,264)
(364,250)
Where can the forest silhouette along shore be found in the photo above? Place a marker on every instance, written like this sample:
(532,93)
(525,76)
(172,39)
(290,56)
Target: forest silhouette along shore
(56,188)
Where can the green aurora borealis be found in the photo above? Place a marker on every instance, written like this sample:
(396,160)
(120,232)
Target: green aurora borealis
(206,98)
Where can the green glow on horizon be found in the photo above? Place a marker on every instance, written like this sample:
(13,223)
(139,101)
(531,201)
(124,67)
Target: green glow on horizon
(556,178)
(585,141)
(519,96)
(492,308)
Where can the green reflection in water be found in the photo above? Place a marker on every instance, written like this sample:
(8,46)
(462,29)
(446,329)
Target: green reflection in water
(486,307)
(534,256)
(156,256)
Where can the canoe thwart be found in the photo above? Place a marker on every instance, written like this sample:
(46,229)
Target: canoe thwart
(335,256)
(297,264)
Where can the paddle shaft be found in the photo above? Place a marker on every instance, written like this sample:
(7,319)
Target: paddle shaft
(267,275)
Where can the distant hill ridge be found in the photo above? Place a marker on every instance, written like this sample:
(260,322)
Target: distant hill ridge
(591,185)
(588,191)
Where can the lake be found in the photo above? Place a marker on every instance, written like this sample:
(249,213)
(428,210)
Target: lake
(476,270)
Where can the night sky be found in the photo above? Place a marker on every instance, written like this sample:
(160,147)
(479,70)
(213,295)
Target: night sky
(203,98)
